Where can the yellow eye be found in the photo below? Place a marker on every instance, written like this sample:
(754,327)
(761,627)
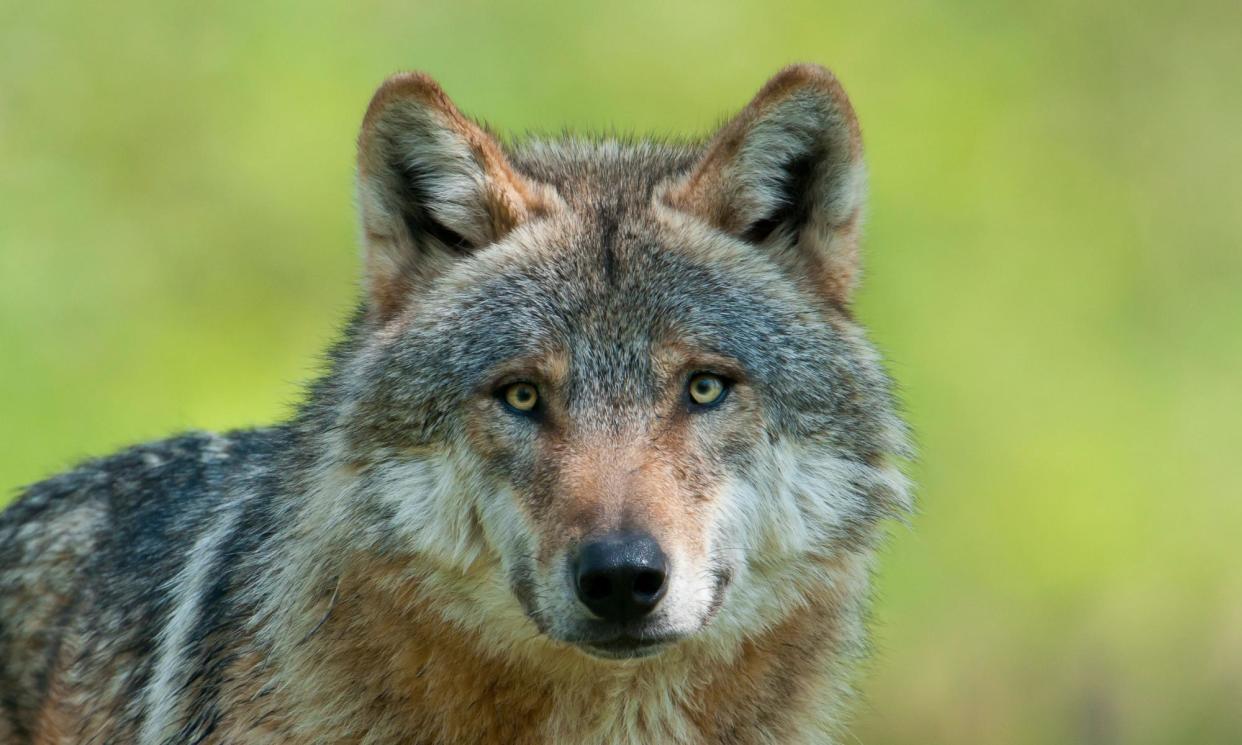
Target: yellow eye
(706,389)
(521,397)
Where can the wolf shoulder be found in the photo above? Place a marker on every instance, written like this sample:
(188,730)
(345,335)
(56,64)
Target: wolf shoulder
(123,523)
(93,556)
(144,497)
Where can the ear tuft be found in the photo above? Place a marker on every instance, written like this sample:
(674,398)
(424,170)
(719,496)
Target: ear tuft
(787,173)
(432,185)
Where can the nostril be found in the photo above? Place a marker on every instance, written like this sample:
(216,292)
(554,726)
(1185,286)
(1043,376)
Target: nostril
(648,584)
(594,586)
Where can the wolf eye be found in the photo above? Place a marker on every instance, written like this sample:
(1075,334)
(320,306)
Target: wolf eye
(521,397)
(706,389)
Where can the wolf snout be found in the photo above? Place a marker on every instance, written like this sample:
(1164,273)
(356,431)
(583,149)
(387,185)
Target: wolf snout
(620,577)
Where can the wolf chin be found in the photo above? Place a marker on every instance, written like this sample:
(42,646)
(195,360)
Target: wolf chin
(602,457)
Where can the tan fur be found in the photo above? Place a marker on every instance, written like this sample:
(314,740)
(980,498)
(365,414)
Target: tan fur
(75,707)
(56,720)
(455,686)
(605,487)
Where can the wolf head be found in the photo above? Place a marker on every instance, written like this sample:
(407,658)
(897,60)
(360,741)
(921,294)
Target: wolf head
(617,385)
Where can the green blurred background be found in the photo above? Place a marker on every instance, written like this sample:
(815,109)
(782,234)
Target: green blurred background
(1054,271)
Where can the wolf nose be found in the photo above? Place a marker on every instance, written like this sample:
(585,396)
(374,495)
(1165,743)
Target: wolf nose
(621,577)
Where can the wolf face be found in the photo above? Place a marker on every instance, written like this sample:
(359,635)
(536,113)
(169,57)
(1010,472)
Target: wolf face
(611,388)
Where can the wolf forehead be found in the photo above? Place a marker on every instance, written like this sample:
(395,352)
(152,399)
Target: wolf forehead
(601,255)
(605,284)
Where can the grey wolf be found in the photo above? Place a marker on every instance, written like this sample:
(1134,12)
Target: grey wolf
(602,457)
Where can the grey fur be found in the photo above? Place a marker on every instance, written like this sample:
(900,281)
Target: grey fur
(94,562)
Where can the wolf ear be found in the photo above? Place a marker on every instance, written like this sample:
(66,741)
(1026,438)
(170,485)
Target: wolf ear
(787,173)
(432,185)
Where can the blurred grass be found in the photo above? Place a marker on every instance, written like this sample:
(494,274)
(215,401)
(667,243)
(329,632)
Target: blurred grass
(1054,271)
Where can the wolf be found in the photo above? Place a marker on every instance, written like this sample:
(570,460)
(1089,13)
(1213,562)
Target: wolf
(602,457)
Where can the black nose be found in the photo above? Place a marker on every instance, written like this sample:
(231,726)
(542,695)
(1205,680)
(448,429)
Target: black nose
(621,577)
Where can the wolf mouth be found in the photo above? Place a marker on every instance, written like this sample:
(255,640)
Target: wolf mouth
(627,647)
